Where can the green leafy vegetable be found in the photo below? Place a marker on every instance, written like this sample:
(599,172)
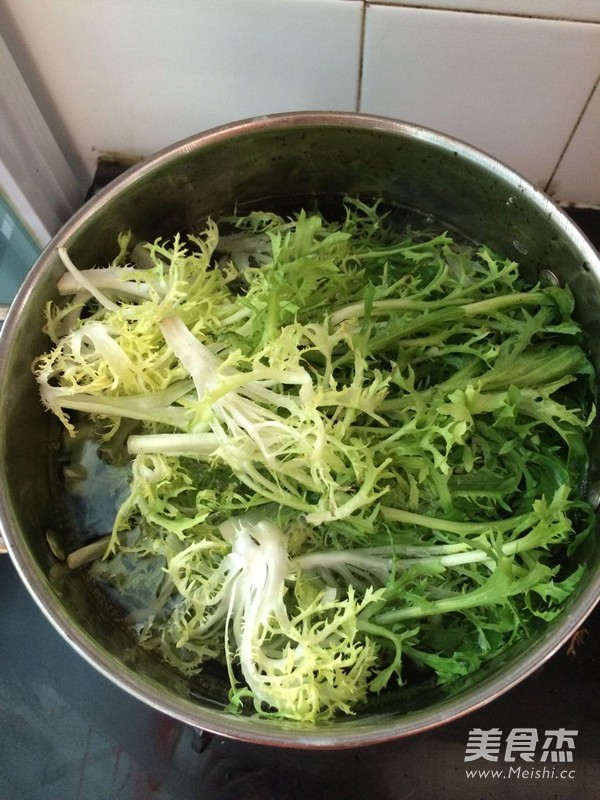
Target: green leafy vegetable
(351,450)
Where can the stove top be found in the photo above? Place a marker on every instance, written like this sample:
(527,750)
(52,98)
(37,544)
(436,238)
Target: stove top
(68,733)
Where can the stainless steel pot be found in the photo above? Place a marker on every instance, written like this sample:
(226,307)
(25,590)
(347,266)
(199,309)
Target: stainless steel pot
(266,161)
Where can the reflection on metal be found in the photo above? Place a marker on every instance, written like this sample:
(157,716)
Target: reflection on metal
(3,312)
(549,278)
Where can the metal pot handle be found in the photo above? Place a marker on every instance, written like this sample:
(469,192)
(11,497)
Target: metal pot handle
(3,312)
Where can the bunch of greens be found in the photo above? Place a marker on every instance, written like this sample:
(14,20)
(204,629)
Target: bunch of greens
(356,454)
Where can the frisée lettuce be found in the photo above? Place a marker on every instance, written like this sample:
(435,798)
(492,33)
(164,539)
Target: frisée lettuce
(358,455)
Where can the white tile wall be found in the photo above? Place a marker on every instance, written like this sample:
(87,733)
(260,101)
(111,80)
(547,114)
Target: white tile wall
(514,87)
(513,77)
(578,175)
(132,76)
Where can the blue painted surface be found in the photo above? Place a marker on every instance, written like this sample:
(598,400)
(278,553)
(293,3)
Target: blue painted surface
(18,252)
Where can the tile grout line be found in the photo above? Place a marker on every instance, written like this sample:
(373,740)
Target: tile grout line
(479,12)
(363,25)
(571,135)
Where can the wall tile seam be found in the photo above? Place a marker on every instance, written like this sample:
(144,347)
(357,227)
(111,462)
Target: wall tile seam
(479,12)
(595,87)
(361,56)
